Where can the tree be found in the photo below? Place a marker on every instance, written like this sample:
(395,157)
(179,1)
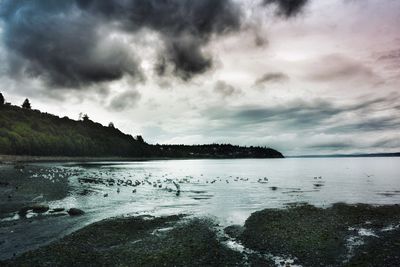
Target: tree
(139,138)
(111,125)
(2,100)
(85,117)
(26,104)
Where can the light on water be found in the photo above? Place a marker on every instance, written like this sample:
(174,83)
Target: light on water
(231,190)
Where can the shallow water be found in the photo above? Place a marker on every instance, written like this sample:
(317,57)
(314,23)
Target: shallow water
(228,190)
(232,189)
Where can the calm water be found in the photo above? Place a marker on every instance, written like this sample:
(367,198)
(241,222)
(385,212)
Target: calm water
(227,190)
(231,190)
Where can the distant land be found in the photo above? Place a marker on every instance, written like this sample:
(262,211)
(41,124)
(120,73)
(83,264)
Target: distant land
(27,132)
(371,155)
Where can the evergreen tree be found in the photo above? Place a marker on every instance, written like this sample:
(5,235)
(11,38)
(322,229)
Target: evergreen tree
(139,138)
(2,100)
(26,104)
(85,117)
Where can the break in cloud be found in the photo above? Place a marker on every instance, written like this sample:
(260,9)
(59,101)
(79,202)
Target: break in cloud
(187,71)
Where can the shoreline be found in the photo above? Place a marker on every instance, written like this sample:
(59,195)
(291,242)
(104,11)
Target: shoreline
(12,159)
(340,235)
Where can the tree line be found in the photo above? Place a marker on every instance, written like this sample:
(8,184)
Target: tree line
(24,131)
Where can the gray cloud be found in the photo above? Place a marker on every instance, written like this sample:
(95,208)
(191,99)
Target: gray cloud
(67,43)
(64,41)
(368,125)
(272,77)
(391,63)
(226,90)
(331,145)
(317,115)
(125,100)
(287,8)
(337,67)
(388,142)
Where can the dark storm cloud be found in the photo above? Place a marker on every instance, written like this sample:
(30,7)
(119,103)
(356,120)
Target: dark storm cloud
(186,56)
(64,42)
(56,41)
(185,26)
(271,77)
(287,8)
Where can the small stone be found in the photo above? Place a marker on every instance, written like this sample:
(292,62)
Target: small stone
(39,208)
(75,212)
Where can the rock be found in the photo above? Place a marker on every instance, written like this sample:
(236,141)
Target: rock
(39,208)
(19,167)
(75,212)
(234,231)
(22,212)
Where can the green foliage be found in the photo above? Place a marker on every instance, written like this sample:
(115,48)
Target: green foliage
(2,100)
(30,132)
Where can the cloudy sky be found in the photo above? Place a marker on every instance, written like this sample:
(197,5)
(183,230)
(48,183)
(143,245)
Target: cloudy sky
(304,77)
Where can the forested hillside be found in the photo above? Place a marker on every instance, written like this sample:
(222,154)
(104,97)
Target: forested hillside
(219,151)
(30,132)
(24,131)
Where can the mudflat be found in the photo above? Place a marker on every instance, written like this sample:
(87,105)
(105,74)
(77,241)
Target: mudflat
(341,235)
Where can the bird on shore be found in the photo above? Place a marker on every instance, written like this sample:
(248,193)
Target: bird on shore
(178,188)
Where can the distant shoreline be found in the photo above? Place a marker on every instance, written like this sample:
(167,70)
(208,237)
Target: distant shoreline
(11,159)
(372,155)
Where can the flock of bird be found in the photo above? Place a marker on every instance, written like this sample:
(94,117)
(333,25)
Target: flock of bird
(121,178)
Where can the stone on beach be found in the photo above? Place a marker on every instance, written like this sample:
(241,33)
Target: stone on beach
(75,212)
(36,208)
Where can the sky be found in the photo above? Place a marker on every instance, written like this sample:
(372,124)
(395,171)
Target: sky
(303,77)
